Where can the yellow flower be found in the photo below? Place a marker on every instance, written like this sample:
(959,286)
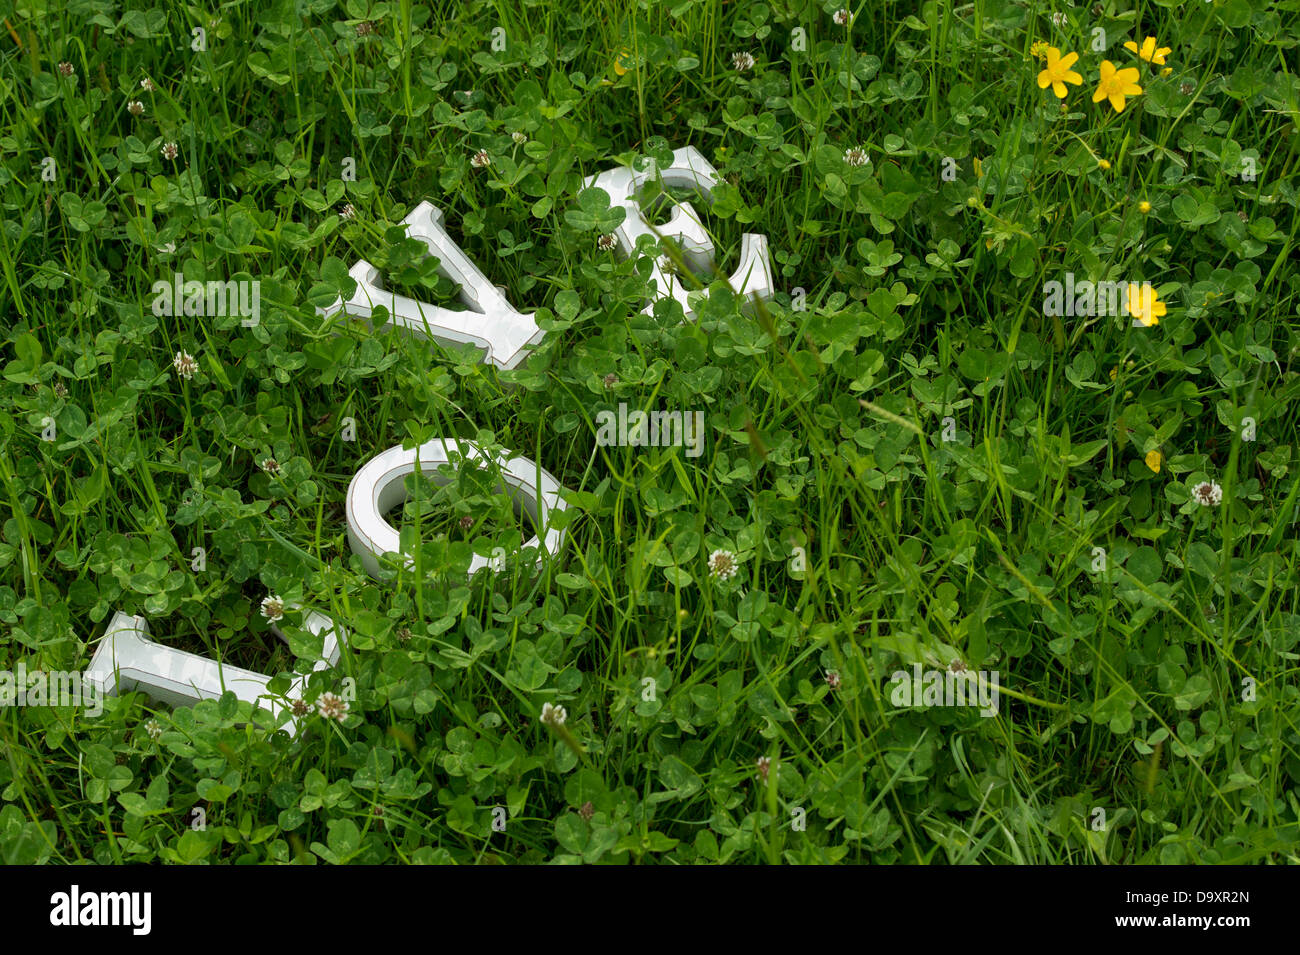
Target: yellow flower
(1144,207)
(622,60)
(1144,304)
(1115,85)
(1057,72)
(1154,458)
(1039,49)
(1103,164)
(1166,71)
(1148,51)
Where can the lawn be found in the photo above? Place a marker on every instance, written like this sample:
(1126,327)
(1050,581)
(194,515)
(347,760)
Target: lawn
(925,492)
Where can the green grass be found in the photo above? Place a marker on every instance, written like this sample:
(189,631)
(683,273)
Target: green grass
(1160,690)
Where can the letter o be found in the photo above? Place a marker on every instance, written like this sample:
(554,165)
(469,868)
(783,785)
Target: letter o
(380,486)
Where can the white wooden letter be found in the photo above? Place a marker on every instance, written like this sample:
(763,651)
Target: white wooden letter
(492,324)
(379,487)
(127,659)
(753,276)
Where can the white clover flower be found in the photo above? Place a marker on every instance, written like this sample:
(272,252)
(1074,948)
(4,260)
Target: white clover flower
(332,706)
(347,212)
(170,151)
(1208,494)
(722,564)
(742,61)
(154,729)
(66,69)
(606,242)
(519,138)
(135,108)
(270,466)
(553,715)
(273,607)
(842,17)
(185,365)
(856,156)
(764,767)
(146,84)
(480,159)
(1058,19)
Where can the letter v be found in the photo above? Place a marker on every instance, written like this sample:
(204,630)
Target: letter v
(493,324)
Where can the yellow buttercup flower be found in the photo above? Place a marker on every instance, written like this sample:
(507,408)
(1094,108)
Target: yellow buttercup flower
(1144,304)
(1154,459)
(1116,84)
(1057,72)
(1148,51)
